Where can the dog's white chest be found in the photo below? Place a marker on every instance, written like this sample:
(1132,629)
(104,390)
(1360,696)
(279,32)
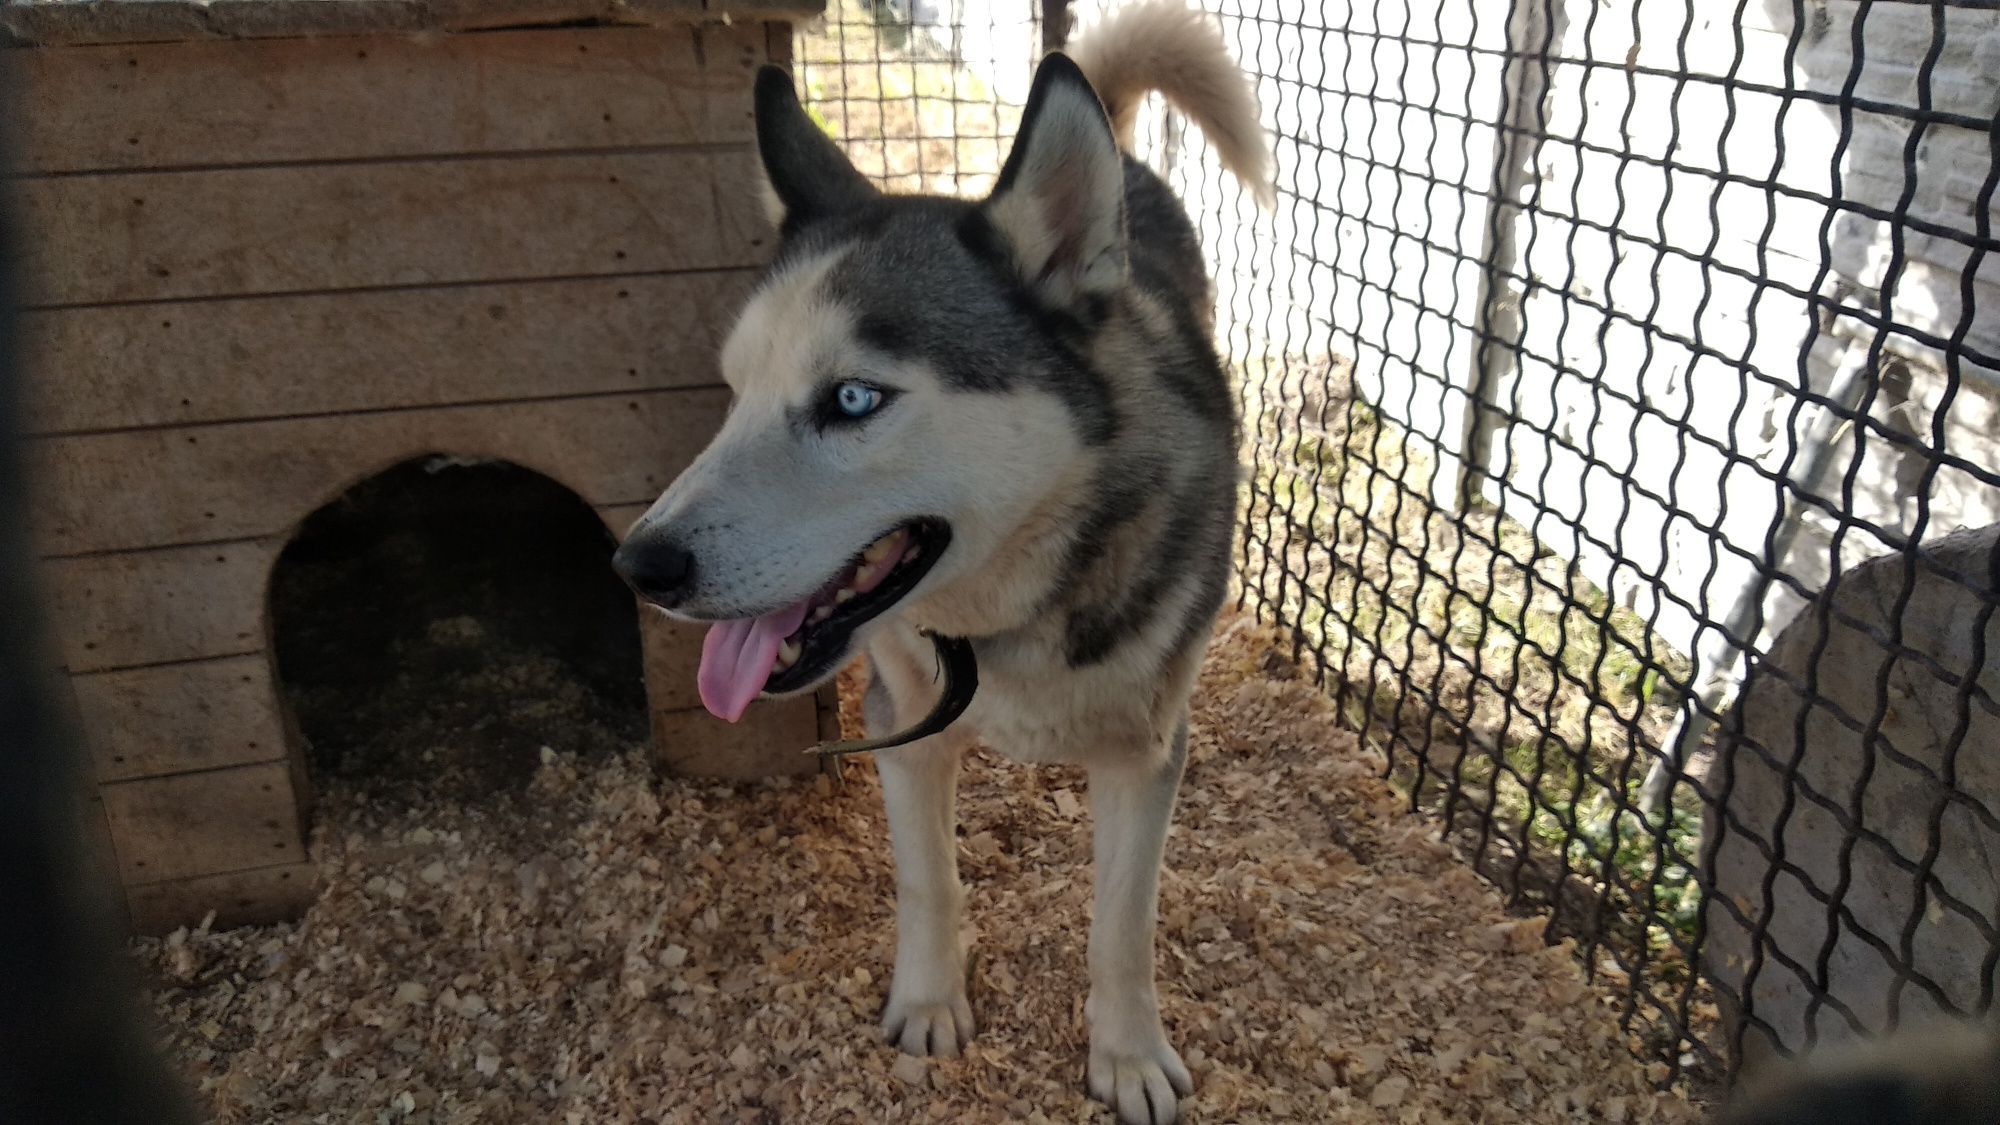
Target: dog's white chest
(1044,712)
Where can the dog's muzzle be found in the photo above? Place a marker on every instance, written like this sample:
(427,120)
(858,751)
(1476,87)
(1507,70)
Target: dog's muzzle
(657,568)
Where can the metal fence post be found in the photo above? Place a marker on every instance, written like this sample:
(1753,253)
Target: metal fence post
(1523,85)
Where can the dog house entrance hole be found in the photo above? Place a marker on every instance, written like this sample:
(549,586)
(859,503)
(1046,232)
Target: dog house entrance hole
(441,622)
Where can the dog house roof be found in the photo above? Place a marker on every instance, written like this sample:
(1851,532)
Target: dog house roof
(71,22)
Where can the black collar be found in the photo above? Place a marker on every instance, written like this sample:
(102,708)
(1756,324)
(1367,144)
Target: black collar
(960,671)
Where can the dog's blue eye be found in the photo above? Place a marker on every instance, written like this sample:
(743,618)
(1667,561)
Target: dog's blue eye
(857,400)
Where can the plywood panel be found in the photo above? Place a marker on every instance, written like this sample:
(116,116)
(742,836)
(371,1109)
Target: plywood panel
(172,718)
(148,607)
(204,823)
(233,232)
(113,367)
(770,741)
(238,898)
(167,105)
(144,488)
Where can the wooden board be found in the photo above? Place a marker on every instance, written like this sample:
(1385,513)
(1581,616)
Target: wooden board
(777,33)
(778,12)
(232,232)
(238,898)
(172,718)
(144,21)
(264,357)
(168,105)
(100,855)
(770,741)
(619,518)
(150,607)
(204,823)
(828,701)
(148,488)
(673,653)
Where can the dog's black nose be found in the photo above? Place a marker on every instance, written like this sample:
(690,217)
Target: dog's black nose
(658,569)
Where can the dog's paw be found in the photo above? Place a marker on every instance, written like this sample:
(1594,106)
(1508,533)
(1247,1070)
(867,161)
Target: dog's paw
(931,1026)
(1144,1086)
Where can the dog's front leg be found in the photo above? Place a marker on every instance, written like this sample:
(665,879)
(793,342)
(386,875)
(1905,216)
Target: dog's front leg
(1132,1067)
(927,1013)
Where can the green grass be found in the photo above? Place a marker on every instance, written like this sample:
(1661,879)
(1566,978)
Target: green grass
(1432,624)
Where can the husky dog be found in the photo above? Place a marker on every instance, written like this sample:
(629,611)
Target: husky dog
(1004,422)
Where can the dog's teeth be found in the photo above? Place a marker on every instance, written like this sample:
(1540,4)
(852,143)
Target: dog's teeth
(843,595)
(911,554)
(822,613)
(788,654)
(879,550)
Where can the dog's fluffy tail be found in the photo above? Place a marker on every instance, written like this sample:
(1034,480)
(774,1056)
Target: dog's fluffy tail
(1164,45)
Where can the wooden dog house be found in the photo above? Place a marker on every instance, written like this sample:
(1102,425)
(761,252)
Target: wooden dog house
(280,245)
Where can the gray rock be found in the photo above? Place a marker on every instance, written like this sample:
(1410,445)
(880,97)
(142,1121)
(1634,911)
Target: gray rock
(1923,788)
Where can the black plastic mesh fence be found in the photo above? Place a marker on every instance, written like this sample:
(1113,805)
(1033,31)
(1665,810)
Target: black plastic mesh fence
(1592,352)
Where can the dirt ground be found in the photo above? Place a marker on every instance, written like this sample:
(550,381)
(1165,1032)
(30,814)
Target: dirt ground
(596,944)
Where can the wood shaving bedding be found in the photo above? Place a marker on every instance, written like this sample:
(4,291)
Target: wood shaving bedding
(613,947)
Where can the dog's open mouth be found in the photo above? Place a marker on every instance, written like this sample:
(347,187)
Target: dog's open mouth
(796,647)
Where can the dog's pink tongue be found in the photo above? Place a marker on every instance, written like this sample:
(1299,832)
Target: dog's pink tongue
(736,659)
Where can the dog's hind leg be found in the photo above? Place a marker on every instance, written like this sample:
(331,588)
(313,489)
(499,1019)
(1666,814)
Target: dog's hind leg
(1132,1067)
(927,1013)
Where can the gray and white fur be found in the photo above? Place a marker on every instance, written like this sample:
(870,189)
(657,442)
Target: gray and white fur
(1050,392)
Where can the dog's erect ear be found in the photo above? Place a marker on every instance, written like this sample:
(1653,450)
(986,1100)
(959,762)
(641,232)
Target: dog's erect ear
(1059,205)
(808,175)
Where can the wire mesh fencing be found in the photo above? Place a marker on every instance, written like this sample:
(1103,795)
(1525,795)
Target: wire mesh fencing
(1612,375)
(924,94)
